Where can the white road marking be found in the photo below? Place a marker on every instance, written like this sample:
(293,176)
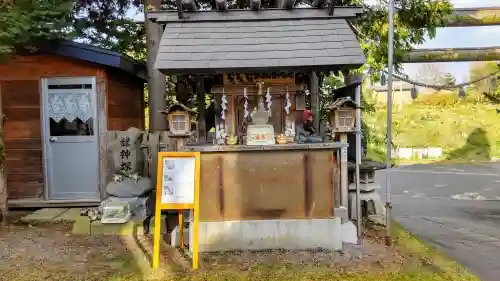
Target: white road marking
(468,196)
(438,172)
(440,197)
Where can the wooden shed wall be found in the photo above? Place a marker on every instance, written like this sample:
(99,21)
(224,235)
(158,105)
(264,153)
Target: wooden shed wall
(125,101)
(21,100)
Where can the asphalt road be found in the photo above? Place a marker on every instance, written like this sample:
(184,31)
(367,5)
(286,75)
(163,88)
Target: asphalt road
(455,208)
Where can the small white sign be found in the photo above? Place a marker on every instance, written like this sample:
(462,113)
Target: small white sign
(178,180)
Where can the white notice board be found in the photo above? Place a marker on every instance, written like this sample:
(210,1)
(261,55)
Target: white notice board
(178,180)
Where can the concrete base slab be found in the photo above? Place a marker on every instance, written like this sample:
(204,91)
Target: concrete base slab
(44,215)
(287,234)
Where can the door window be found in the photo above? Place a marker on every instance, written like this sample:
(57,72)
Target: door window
(70,110)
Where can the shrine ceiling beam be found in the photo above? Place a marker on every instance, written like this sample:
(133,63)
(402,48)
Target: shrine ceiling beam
(452,55)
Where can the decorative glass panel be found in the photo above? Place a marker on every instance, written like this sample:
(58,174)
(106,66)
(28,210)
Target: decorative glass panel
(70,106)
(74,128)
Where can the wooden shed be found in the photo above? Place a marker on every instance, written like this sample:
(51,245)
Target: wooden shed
(58,104)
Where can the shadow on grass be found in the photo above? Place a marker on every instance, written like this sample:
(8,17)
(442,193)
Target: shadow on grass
(476,148)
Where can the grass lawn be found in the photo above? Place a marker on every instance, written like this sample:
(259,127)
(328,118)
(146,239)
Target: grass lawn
(465,130)
(31,253)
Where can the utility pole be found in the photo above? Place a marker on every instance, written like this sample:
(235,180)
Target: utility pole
(156,79)
(390,70)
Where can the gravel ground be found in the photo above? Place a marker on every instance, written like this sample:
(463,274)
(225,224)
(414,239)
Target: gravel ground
(50,252)
(370,256)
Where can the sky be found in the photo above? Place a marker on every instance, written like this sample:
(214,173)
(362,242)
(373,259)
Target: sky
(450,37)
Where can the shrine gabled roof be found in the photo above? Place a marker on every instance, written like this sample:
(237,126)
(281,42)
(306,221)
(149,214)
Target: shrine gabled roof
(245,40)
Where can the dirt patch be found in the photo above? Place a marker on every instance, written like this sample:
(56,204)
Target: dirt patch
(44,252)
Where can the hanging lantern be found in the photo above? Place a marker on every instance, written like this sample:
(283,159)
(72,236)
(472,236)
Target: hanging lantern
(461,93)
(414,92)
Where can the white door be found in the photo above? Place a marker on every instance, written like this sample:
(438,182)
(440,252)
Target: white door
(70,138)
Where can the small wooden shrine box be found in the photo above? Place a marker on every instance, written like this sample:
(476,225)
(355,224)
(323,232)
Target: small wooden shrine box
(179,119)
(342,115)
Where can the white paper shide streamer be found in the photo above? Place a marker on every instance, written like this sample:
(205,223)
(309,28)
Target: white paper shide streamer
(245,105)
(269,100)
(220,131)
(288,103)
(223,106)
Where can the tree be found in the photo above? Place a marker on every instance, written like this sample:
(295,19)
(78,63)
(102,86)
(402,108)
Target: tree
(449,79)
(23,23)
(414,21)
(430,74)
(107,24)
(482,69)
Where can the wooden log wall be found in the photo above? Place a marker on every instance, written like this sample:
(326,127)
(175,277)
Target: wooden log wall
(125,106)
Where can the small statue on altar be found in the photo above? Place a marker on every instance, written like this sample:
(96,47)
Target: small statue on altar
(308,134)
(308,119)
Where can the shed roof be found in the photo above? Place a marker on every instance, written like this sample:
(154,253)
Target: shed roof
(95,55)
(245,40)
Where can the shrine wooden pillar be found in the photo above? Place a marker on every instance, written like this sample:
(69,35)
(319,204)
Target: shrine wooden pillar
(314,91)
(200,95)
(156,79)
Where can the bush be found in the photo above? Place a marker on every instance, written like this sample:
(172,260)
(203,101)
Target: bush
(439,99)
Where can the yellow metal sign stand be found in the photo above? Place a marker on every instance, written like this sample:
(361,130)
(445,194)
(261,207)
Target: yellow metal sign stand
(164,174)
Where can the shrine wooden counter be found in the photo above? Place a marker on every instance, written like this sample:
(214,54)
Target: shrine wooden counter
(283,181)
